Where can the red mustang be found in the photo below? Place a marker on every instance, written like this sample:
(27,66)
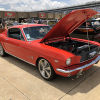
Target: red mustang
(52,50)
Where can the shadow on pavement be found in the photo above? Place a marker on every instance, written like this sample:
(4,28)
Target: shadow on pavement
(62,83)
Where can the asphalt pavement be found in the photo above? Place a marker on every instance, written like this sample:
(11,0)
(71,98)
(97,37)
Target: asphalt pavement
(22,81)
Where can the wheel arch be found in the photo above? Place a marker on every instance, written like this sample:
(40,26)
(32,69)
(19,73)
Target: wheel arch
(38,60)
(2,45)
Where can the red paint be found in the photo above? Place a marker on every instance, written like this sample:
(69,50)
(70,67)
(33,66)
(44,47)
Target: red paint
(25,49)
(69,23)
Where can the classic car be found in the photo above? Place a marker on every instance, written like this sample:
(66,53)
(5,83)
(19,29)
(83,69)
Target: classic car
(91,24)
(53,51)
(93,31)
(82,29)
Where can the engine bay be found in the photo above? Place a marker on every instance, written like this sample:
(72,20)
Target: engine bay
(72,46)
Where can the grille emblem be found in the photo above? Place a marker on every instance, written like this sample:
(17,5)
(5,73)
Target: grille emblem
(92,54)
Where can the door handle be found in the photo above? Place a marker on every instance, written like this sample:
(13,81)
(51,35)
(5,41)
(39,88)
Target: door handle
(6,39)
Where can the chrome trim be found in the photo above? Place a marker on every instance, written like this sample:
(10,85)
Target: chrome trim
(79,68)
(92,53)
(21,59)
(89,59)
(25,35)
(56,60)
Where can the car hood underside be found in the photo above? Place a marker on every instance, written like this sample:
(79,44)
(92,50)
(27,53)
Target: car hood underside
(69,23)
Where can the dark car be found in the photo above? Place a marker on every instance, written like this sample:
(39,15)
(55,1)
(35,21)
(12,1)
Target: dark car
(90,25)
(93,29)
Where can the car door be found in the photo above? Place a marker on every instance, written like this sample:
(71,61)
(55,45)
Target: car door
(15,43)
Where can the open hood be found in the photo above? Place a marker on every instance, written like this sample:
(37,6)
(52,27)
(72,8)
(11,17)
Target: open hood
(69,23)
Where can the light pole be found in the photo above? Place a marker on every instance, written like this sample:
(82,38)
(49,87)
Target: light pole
(60,16)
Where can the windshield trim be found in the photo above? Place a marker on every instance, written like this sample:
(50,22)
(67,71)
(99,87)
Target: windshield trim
(25,35)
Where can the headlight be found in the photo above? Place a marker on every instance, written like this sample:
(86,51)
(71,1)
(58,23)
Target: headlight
(68,61)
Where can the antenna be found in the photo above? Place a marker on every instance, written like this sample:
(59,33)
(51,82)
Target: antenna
(87,31)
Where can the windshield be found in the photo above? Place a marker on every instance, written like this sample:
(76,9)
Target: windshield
(37,32)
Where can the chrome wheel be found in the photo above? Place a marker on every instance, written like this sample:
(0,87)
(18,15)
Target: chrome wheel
(44,68)
(1,50)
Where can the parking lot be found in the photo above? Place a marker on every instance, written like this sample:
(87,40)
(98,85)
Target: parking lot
(22,81)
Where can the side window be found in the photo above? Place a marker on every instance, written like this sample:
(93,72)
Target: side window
(15,33)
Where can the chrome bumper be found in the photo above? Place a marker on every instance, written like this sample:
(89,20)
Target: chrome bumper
(79,68)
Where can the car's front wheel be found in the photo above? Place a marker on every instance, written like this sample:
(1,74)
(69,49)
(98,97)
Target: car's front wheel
(2,52)
(45,69)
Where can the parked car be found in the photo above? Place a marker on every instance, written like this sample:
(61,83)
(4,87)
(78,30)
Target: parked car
(93,30)
(52,50)
(90,25)
(82,29)
(12,24)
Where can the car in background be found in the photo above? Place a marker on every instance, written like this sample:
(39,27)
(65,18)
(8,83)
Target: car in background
(53,51)
(93,30)
(12,24)
(90,25)
(82,28)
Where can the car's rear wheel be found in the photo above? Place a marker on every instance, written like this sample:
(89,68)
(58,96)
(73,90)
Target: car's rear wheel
(45,69)
(2,52)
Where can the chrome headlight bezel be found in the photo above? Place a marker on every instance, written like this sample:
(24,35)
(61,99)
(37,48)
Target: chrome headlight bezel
(68,61)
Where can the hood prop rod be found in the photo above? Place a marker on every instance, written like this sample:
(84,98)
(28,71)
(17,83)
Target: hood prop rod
(87,31)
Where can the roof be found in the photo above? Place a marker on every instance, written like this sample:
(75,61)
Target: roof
(28,25)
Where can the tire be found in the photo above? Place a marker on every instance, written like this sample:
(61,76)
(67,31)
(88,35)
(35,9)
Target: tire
(2,52)
(45,69)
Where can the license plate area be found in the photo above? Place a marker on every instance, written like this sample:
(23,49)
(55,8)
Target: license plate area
(80,72)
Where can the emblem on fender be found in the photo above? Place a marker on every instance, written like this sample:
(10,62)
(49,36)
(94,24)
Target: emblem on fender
(92,54)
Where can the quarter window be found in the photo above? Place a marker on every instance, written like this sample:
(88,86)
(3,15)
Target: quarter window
(15,33)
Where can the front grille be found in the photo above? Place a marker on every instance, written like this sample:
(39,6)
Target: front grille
(85,55)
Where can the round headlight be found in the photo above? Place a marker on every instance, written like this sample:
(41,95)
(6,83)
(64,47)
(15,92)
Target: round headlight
(68,61)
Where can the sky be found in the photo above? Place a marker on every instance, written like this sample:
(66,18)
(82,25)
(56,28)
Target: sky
(36,5)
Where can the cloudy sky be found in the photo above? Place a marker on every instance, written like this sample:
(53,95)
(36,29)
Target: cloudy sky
(33,5)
